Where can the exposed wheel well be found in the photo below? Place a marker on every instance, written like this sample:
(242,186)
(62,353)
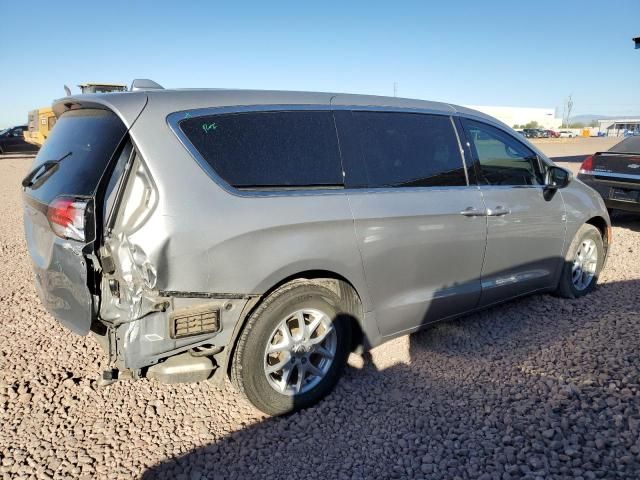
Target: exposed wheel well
(343,287)
(605,231)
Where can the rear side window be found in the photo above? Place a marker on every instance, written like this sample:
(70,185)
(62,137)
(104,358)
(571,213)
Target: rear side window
(269,149)
(408,149)
(90,136)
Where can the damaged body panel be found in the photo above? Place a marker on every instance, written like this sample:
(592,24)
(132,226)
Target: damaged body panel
(60,271)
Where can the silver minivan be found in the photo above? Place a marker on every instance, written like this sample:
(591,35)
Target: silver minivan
(265,235)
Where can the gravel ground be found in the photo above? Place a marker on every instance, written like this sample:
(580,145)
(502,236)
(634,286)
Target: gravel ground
(539,388)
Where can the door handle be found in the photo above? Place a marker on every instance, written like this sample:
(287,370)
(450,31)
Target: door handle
(472,212)
(499,211)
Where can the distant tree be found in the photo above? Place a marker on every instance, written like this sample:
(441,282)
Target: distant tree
(516,126)
(532,124)
(594,123)
(576,125)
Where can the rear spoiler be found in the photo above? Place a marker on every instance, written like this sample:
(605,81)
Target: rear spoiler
(127,105)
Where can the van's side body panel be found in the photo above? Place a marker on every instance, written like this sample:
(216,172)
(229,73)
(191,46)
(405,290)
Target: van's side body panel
(422,257)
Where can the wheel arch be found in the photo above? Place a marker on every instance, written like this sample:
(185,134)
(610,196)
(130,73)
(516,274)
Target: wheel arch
(338,283)
(605,230)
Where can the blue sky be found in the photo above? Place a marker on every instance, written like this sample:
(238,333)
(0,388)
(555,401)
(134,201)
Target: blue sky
(509,53)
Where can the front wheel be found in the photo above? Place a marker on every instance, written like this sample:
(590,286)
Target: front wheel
(583,263)
(293,349)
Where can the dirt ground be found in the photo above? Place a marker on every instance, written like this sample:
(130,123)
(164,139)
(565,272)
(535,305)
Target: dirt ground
(539,388)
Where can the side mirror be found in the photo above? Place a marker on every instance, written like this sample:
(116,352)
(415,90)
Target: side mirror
(557,177)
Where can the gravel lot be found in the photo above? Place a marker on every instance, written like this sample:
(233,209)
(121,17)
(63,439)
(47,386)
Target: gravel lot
(538,388)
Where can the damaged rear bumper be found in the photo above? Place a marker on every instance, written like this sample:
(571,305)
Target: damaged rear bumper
(206,323)
(173,336)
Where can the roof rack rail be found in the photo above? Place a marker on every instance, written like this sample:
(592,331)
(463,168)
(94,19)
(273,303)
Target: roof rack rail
(145,84)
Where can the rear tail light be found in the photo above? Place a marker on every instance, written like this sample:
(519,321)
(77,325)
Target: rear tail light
(587,165)
(68,218)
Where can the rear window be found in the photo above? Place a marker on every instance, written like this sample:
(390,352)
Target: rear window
(408,149)
(628,145)
(91,136)
(269,149)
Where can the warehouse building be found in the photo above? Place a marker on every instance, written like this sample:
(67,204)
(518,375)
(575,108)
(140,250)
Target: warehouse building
(546,117)
(618,127)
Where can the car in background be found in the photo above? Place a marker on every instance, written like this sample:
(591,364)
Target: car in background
(12,141)
(521,132)
(615,175)
(531,133)
(552,134)
(567,134)
(542,133)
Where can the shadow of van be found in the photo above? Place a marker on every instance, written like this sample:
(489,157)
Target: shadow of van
(531,388)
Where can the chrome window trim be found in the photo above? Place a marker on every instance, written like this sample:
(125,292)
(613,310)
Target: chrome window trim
(173,121)
(595,173)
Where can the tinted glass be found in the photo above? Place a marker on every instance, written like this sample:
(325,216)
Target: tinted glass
(408,149)
(91,136)
(502,160)
(628,145)
(269,149)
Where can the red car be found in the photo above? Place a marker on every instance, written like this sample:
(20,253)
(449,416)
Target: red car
(553,134)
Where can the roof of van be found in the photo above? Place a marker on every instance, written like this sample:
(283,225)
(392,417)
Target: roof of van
(164,102)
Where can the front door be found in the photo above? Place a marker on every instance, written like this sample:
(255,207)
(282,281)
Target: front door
(526,223)
(418,223)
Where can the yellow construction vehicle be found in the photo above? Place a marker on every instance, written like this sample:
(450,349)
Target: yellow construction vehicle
(40,123)
(42,120)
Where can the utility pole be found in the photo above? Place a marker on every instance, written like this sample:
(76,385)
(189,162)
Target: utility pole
(395,89)
(568,106)
(636,41)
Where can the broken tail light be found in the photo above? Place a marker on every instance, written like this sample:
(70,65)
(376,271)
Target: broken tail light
(68,218)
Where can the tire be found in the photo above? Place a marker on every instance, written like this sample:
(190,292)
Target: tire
(281,309)
(569,286)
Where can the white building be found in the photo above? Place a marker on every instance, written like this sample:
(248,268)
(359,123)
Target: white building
(615,127)
(546,117)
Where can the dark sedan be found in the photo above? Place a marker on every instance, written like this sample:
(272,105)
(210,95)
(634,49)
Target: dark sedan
(615,174)
(12,141)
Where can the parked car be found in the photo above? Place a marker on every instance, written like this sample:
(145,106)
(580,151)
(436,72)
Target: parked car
(567,134)
(542,133)
(264,235)
(531,132)
(615,174)
(552,134)
(12,140)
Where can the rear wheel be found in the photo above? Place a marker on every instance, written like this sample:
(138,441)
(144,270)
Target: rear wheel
(583,263)
(293,349)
